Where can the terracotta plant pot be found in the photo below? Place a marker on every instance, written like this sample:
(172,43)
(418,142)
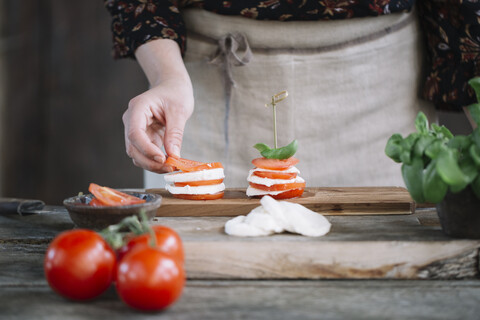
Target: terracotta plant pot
(460,214)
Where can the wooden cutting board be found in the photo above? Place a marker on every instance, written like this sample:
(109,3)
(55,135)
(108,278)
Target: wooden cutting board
(357,247)
(327,201)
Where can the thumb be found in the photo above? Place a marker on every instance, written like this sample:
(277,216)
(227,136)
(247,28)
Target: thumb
(174,127)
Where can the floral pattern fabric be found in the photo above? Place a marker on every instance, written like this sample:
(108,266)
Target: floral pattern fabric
(452,31)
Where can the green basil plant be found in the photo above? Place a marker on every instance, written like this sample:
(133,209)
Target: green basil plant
(435,161)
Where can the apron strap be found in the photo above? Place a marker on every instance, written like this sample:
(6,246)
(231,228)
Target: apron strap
(229,54)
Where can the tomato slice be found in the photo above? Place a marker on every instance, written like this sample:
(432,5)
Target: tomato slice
(95,203)
(275,175)
(190,165)
(111,197)
(198,183)
(278,187)
(274,164)
(293,193)
(214,196)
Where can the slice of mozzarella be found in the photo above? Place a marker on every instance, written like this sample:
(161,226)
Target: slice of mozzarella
(277,216)
(210,174)
(212,189)
(295,218)
(270,182)
(257,223)
(289,170)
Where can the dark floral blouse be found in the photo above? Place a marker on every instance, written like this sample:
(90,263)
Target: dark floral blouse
(451,27)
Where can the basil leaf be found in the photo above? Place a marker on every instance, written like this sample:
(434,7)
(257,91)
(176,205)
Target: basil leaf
(422,143)
(393,149)
(278,153)
(475,154)
(475,84)
(421,123)
(442,132)
(433,150)
(460,142)
(436,128)
(409,141)
(446,133)
(434,188)
(470,171)
(407,146)
(261,147)
(475,112)
(476,136)
(413,177)
(448,168)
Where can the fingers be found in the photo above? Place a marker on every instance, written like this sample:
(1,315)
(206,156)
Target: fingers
(142,161)
(175,126)
(137,120)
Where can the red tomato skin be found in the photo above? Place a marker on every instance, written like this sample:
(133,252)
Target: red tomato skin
(79,264)
(214,196)
(149,280)
(168,241)
(186,165)
(279,187)
(110,197)
(198,183)
(289,194)
(275,175)
(274,164)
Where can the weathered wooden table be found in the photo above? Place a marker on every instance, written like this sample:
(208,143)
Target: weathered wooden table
(368,267)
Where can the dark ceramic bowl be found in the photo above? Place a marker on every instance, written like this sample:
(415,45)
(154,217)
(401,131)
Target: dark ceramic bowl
(85,216)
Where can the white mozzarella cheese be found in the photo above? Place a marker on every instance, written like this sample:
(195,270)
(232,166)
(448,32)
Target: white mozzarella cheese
(295,218)
(277,216)
(270,182)
(289,170)
(210,174)
(212,189)
(252,192)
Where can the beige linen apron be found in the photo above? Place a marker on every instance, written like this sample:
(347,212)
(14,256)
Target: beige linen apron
(351,83)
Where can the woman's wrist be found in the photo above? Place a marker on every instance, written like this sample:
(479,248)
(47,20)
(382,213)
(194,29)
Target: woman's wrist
(161,60)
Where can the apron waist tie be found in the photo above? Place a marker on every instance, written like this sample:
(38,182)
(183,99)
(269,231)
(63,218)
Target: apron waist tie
(229,53)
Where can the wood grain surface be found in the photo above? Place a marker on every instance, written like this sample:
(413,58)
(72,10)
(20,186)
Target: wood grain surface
(413,244)
(327,201)
(357,247)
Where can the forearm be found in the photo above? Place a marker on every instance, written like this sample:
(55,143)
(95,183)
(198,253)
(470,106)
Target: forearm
(161,60)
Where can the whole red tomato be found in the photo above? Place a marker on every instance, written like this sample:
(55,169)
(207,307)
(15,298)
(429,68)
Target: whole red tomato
(79,264)
(149,279)
(168,241)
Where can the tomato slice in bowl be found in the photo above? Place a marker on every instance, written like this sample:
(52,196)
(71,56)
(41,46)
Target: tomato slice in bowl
(95,203)
(275,175)
(198,183)
(274,164)
(214,196)
(190,165)
(278,187)
(111,197)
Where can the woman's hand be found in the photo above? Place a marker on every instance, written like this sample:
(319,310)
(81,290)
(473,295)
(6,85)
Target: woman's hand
(157,117)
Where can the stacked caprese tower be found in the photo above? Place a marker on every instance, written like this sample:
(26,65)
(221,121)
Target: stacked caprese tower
(275,174)
(196,180)
(277,178)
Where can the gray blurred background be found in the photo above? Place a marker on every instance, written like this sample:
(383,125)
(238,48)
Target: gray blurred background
(62,97)
(61,101)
